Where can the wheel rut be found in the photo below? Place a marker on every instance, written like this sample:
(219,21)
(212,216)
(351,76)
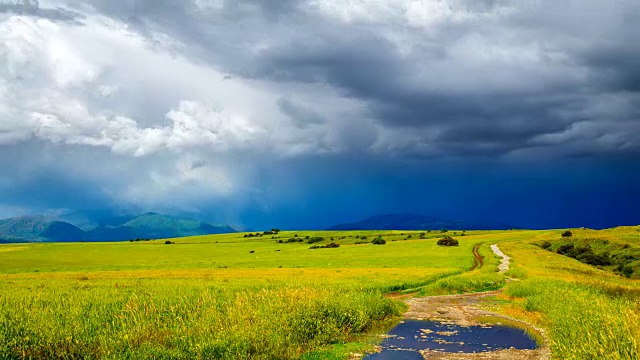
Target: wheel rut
(469,310)
(478,260)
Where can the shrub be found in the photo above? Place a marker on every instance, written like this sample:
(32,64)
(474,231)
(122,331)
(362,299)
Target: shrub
(379,241)
(567,234)
(565,249)
(314,239)
(168,242)
(627,271)
(422,235)
(580,251)
(603,259)
(409,236)
(545,245)
(448,241)
(252,251)
(328,246)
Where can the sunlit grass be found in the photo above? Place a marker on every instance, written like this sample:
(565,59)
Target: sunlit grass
(230,297)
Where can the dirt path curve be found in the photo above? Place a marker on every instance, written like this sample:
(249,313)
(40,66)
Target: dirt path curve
(469,310)
(504,264)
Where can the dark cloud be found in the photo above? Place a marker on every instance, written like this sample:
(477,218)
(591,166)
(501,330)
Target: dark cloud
(301,116)
(328,88)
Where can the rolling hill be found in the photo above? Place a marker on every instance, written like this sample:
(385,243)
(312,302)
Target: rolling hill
(37,229)
(147,226)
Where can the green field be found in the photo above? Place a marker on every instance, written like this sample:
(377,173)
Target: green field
(232,297)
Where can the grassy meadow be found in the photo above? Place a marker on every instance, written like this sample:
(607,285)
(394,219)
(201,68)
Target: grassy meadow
(269,297)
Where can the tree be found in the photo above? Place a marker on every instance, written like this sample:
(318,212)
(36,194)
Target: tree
(379,241)
(448,241)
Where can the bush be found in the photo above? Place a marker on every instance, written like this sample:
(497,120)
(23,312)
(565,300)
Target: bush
(545,245)
(448,241)
(379,241)
(168,242)
(627,271)
(565,249)
(567,234)
(328,246)
(252,251)
(314,240)
(409,236)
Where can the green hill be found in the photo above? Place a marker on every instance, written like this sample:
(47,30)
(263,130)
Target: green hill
(147,226)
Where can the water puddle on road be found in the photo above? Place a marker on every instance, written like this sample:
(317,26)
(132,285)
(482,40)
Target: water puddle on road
(410,336)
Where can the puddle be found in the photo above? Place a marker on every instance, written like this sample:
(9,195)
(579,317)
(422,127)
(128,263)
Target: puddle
(408,337)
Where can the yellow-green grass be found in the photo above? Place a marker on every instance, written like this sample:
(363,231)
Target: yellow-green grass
(221,296)
(234,251)
(210,297)
(589,313)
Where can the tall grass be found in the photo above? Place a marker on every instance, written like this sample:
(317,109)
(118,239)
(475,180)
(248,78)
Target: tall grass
(181,320)
(589,313)
(585,321)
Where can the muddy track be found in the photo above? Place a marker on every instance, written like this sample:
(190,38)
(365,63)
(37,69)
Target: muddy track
(478,260)
(469,310)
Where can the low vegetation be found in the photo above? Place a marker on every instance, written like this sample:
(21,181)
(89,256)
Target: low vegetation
(448,241)
(618,257)
(254,297)
(379,241)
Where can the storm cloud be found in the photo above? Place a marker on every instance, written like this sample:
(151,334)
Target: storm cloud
(232,108)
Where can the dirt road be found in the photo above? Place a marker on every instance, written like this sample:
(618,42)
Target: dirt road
(469,310)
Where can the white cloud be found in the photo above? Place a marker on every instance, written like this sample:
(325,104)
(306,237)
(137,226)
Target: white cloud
(79,84)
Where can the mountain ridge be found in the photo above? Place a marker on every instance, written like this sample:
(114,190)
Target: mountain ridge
(148,225)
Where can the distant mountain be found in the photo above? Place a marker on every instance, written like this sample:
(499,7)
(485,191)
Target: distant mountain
(146,226)
(37,229)
(152,225)
(88,219)
(414,222)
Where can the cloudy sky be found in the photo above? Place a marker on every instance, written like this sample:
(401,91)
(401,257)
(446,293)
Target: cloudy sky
(305,113)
